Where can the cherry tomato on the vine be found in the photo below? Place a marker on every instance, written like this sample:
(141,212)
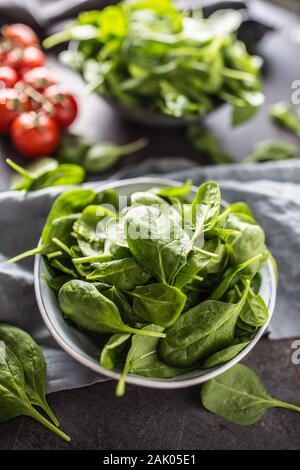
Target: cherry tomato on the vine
(20,34)
(32,57)
(8,77)
(65,105)
(39,78)
(13,58)
(12,103)
(34,134)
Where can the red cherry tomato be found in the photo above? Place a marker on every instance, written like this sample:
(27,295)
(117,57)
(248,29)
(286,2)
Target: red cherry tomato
(11,104)
(20,34)
(13,58)
(65,105)
(34,135)
(39,78)
(8,77)
(32,57)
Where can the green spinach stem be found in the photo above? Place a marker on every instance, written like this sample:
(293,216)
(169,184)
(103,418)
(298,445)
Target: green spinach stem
(62,246)
(91,259)
(36,415)
(134,146)
(19,169)
(33,251)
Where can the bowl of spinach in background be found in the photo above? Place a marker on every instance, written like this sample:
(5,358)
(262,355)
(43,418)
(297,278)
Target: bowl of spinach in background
(160,66)
(86,348)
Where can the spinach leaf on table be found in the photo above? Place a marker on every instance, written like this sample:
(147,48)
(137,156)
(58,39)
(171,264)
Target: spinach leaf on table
(13,392)
(283,115)
(239,396)
(101,157)
(157,303)
(72,148)
(82,303)
(272,150)
(201,331)
(204,141)
(33,363)
(45,174)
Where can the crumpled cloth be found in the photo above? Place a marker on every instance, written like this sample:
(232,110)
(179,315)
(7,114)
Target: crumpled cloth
(272,191)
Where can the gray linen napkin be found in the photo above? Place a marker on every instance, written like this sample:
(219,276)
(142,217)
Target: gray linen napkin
(272,190)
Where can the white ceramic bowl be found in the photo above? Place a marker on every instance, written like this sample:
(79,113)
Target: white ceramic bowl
(83,348)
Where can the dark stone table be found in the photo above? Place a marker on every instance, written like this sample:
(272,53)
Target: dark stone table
(148,418)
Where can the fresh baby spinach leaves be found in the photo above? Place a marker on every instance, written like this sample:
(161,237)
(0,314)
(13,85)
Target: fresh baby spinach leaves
(123,273)
(33,363)
(157,303)
(82,303)
(164,261)
(101,157)
(22,380)
(44,174)
(142,359)
(157,242)
(239,396)
(203,330)
(174,64)
(284,116)
(220,357)
(110,354)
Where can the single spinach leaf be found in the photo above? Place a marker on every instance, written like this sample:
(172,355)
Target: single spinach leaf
(13,398)
(283,115)
(229,277)
(101,157)
(67,203)
(157,241)
(254,312)
(250,241)
(33,364)
(122,273)
(51,174)
(126,311)
(272,150)
(224,355)
(206,142)
(110,354)
(196,262)
(146,198)
(203,330)
(174,191)
(157,303)
(86,225)
(72,148)
(82,303)
(142,359)
(239,396)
